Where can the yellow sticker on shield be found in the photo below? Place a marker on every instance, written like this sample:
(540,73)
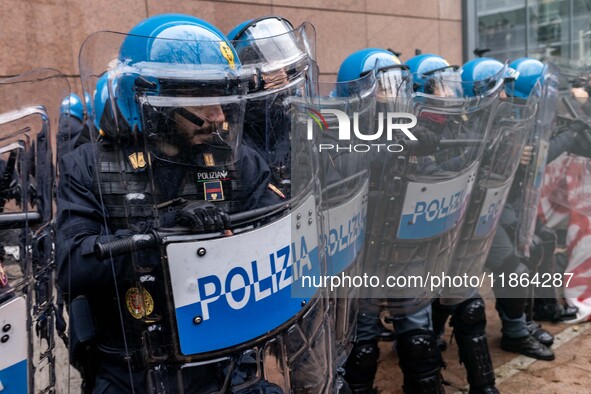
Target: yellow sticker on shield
(138,306)
(228,54)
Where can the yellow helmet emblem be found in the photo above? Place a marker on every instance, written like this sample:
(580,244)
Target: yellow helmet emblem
(227,54)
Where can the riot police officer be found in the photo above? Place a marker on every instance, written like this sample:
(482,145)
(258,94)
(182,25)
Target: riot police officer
(169,156)
(420,358)
(468,315)
(465,305)
(503,257)
(268,47)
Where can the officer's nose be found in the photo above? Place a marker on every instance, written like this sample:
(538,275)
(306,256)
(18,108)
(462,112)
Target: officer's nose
(214,114)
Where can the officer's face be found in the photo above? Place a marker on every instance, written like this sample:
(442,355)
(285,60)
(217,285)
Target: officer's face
(441,89)
(198,125)
(580,94)
(275,79)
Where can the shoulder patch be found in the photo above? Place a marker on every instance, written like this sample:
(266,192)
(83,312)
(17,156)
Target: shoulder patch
(137,160)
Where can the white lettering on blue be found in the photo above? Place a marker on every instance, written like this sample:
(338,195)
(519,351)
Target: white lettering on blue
(493,210)
(256,281)
(340,238)
(438,208)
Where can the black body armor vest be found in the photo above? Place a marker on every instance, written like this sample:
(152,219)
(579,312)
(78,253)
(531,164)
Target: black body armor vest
(131,195)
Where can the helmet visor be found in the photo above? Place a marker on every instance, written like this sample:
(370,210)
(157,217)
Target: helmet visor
(267,41)
(178,128)
(274,51)
(444,82)
(393,81)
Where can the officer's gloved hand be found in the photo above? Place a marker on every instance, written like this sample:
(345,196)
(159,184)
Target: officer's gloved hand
(203,217)
(428,142)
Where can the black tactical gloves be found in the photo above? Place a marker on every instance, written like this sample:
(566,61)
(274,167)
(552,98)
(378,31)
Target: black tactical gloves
(203,217)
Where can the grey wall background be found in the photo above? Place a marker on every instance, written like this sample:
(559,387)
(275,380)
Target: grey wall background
(49,33)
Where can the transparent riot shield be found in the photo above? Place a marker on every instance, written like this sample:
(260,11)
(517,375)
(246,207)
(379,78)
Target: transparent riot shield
(530,187)
(423,192)
(344,181)
(29,113)
(511,127)
(177,305)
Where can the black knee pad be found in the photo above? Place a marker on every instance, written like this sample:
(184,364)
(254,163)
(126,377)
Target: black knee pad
(362,365)
(418,351)
(472,311)
(470,317)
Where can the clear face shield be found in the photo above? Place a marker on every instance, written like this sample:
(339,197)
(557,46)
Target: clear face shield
(182,128)
(276,52)
(393,81)
(444,82)
(394,88)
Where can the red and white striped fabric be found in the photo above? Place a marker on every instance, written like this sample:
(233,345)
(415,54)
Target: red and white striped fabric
(566,202)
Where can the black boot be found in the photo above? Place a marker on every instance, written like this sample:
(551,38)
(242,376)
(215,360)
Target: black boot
(361,367)
(541,335)
(549,309)
(420,361)
(528,346)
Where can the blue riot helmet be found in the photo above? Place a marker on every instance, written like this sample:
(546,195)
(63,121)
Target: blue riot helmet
(177,82)
(480,75)
(103,116)
(393,77)
(71,123)
(72,105)
(270,47)
(432,74)
(528,71)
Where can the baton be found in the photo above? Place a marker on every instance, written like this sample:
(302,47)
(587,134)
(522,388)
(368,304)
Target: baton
(126,245)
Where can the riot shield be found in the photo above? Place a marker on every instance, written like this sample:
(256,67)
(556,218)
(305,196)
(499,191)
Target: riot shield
(422,195)
(512,125)
(224,311)
(344,181)
(531,184)
(29,113)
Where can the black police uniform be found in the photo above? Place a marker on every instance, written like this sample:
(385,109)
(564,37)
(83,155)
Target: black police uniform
(80,225)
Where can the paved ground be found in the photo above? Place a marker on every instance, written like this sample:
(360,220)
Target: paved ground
(569,373)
